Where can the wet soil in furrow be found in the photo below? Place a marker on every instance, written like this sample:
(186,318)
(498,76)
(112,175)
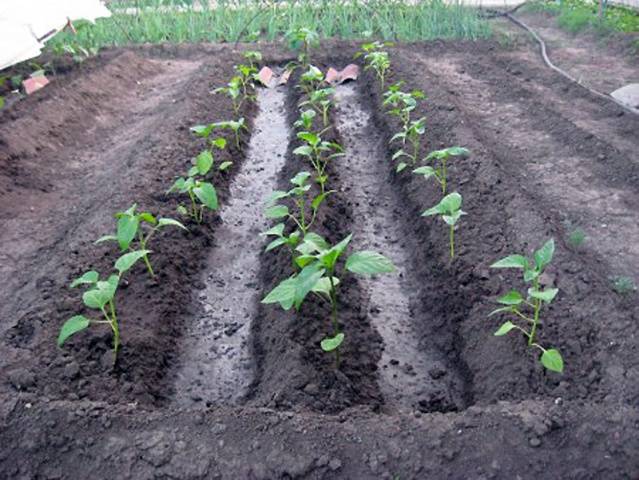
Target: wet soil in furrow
(414,373)
(216,365)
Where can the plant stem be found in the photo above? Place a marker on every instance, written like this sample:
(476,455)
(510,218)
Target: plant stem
(333,297)
(533,330)
(145,257)
(452,241)
(444,176)
(116,331)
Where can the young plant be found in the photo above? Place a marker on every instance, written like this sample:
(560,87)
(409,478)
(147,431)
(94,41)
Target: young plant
(321,101)
(439,172)
(319,152)
(515,303)
(246,77)
(201,194)
(254,58)
(301,218)
(302,39)
(401,104)
(319,273)
(411,133)
(305,122)
(234,91)
(235,126)
(449,209)
(311,79)
(101,297)
(379,62)
(135,229)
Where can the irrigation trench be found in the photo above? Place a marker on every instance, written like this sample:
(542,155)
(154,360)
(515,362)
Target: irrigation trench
(216,366)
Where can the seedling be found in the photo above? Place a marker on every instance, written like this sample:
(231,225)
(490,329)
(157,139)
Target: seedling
(101,297)
(400,103)
(412,132)
(254,58)
(449,209)
(318,261)
(320,100)
(514,302)
(131,234)
(439,172)
(319,152)
(305,122)
(235,126)
(576,237)
(299,195)
(379,62)
(311,79)
(623,285)
(302,39)
(234,91)
(247,77)
(202,194)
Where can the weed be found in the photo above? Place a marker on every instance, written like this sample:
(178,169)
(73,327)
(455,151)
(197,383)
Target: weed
(449,209)
(439,172)
(130,233)
(623,285)
(576,237)
(303,39)
(318,261)
(514,302)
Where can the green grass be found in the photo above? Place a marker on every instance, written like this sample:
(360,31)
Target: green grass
(578,15)
(244,21)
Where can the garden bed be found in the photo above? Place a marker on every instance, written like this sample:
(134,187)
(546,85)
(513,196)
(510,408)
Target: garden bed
(211,383)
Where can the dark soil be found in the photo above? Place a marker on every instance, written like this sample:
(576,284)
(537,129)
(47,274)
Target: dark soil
(546,157)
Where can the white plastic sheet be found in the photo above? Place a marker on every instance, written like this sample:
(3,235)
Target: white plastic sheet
(24,22)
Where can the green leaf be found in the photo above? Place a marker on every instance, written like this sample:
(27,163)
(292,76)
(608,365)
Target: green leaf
(309,137)
(276,243)
(398,154)
(323,285)
(106,238)
(545,295)
(202,130)
(102,293)
(277,230)
(552,360)
(275,196)
(316,242)
(179,185)
(401,166)
(71,327)
(276,211)
(304,150)
(284,293)
(367,262)
(126,261)
(511,298)
(220,143)
(544,255)
(163,222)
(427,172)
(300,179)
(305,281)
(148,218)
(454,217)
(448,152)
(89,277)
(127,229)
(530,274)
(504,329)
(181,209)
(509,309)
(193,171)
(451,203)
(204,162)
(317,201)
(512,261)
(329,257)
(224,166)
(331,343)
(205,192)
(304,260)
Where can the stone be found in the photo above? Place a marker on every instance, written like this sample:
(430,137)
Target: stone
(628,95)
(33,84)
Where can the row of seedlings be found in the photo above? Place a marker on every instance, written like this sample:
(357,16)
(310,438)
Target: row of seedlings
(524,308)
(317,267)
(135,228)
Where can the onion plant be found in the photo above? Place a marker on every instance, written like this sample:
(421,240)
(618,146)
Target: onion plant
(319,152)
(319,262)
(517,304)
(302,39)
(135,229)
(100,296)
(439,172)
(449,209)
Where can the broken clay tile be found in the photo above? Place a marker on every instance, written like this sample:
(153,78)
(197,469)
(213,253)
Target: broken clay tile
(332,76)
(265,76)
(284,78)
(34,84)
(350,72)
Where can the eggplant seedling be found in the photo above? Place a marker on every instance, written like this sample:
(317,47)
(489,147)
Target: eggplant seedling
(235,126)
(311,79)
(318,261)
(234,91)
(131,235)
(401,104)
(439,172)
(449,209)
(321,101)
(299,195)
(411,133)
(319,152)
(302,39)
(380,63)
(101,297)
(201,194)
(515,303)
(305,122)
(254,57)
